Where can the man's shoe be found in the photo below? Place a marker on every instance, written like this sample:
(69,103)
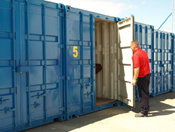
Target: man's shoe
(140,115)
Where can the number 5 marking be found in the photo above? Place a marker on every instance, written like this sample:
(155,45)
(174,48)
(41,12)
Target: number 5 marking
(75,51)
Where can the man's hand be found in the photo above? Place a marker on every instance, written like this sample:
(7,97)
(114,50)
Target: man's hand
(133,82)
(136,73)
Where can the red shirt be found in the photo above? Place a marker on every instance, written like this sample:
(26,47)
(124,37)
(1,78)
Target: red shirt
(140,59)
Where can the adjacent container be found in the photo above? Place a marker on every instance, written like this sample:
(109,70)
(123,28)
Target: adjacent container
(159,45)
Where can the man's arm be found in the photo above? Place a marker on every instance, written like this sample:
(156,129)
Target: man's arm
(136,73)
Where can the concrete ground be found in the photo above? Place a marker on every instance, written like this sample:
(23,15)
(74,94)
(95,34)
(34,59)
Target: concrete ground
(121,119)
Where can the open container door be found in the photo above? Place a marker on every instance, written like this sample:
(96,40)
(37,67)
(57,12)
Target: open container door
(125,67)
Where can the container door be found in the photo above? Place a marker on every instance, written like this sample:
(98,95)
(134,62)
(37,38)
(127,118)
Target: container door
(125,67)
(40,66)
(79,62)
(7,65)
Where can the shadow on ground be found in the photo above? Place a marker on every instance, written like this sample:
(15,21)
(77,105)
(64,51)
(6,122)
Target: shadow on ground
(158,107)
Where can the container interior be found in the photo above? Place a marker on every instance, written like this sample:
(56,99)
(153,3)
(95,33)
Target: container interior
(106,58)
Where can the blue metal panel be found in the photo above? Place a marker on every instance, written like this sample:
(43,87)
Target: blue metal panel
(80,60)
(162,63)
(173,62)
(31,64)
(44,82)
(144,35)
(158,45)
(171,57)
(152,60)
(76,44)
(41,42)
(92,37)
(7,65)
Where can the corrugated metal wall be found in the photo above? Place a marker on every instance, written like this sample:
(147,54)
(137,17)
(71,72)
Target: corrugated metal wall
(159,46)
(106,55)
(8,104)
(80,61)
(31,64)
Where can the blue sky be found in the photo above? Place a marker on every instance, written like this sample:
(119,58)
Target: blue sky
(152,12)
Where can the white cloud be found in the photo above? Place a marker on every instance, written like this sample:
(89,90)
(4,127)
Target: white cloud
(143,2)
(132,7)
(104,7)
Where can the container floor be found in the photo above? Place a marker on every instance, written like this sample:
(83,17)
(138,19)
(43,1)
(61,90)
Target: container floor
(102,101)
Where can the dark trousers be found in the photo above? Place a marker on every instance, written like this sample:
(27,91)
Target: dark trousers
(143,88)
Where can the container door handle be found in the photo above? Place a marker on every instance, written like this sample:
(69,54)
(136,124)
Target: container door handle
(88,84)
(7,109)
(3,100)
(88,94)
(35,104)
(38,95)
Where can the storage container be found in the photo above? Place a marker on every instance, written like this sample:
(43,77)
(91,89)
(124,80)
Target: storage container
(159,45)
(163,62)
(92,39)
(31,64)
(57,62)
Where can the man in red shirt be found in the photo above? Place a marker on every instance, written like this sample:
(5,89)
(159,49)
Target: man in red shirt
(141,77)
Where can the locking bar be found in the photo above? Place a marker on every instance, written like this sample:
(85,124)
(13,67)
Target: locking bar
(35,104)
(39,95)
(3,100)
(7,109)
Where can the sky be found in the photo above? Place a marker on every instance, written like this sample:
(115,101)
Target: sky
(152,12)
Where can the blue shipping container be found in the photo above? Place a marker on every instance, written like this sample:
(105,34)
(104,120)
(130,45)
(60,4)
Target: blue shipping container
(82,40)
(159,45)
(49,55)
(31,64)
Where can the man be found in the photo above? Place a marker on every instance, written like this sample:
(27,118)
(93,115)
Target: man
(141,77)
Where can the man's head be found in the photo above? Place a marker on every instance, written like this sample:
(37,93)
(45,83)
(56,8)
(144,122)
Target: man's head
(134,45)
